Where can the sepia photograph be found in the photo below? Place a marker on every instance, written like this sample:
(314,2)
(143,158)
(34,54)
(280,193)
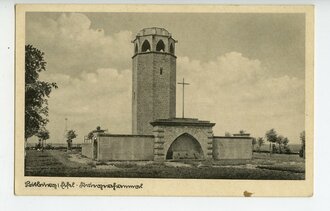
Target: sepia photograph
(215,95)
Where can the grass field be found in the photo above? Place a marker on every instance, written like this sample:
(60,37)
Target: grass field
(72,164)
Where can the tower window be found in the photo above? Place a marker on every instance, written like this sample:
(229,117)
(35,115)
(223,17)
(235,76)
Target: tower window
(145,46)
(161,71)
(171,49)
(160,46)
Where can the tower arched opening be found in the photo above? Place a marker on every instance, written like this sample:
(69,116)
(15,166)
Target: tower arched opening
(145,46)
(160,46)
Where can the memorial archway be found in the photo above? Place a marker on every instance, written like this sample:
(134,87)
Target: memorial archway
(184,147)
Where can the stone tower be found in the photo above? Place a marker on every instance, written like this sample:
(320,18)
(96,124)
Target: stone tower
(154,78)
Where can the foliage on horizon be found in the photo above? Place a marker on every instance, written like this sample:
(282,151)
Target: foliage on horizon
(227,134)
(282,142)
(260,142)
(303,144)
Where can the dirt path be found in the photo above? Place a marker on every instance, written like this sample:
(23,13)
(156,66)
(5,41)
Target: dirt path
(67,158)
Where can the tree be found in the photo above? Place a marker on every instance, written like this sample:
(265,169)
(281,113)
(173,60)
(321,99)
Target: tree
(271,136)
(36,92)
(43,135)
(70,135)
(303,144)
(279,142)
(286,145)
(90,135)
(260,142)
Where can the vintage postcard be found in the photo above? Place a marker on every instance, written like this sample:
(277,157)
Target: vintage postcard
(164,100)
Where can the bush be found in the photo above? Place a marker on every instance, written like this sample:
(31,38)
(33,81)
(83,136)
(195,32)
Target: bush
(49,146)
(101,163)
(287,150)
(60,147)
(91,164)
(38,146)
(274,149)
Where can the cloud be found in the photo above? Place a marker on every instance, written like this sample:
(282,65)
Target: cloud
(72,46)
(101,98)
(238,93)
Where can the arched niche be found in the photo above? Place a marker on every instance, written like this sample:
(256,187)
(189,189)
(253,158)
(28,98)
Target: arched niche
(184,147)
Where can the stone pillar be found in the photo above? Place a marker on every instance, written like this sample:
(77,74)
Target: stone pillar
(209,153)
(159,154)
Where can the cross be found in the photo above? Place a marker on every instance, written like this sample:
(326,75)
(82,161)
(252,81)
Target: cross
(183,84)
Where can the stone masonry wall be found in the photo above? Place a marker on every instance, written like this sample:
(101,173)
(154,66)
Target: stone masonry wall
(154,93)
(87,150)
(164,95)
(125,147)
(232,148)
(143,84)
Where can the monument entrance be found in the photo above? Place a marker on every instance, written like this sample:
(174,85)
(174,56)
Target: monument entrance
(184,147)
(182,138)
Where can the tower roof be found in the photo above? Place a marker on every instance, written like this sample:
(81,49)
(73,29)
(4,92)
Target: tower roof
(154,31)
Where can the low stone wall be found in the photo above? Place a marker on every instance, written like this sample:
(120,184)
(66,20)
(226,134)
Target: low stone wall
(125,147)
(87,150)
(232,147)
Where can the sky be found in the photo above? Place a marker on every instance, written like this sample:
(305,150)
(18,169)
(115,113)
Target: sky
(246,71)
